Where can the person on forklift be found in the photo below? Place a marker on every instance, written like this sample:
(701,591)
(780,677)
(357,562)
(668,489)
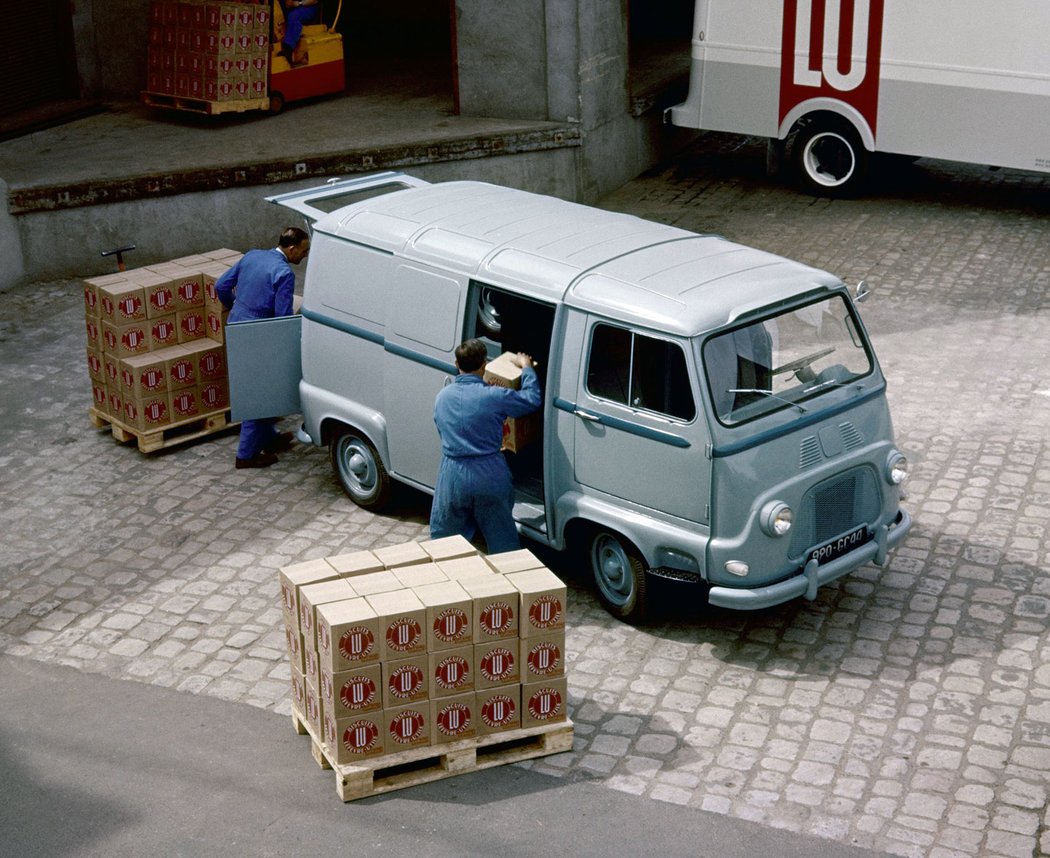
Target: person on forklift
(297,13)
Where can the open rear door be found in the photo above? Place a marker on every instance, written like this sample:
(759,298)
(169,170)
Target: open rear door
(315,203)
(264,357)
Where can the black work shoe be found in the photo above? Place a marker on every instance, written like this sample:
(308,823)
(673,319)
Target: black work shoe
(280,443)
(259,460)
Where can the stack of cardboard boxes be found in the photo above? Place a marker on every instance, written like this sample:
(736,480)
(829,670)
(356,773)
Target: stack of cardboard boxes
(421,644)
(155,348)
(212,51)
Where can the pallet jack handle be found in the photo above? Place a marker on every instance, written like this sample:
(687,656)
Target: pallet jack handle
(119,251)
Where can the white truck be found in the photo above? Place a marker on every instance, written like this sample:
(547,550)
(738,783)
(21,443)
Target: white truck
(830,82)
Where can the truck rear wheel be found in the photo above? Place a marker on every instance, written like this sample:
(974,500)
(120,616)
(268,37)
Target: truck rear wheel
(360,470)
(829,158)
(620,573)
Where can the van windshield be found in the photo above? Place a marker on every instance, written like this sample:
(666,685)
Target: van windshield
(784,360)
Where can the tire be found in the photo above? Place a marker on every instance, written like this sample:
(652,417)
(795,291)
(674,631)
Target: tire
(620,575)
(276,103)
(829,159)
(360,470)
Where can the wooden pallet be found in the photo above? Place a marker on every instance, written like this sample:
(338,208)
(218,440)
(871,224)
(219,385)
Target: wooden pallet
(435,762)
(200,105)
(167,436)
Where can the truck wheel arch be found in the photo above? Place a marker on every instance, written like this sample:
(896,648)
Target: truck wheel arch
(824,109)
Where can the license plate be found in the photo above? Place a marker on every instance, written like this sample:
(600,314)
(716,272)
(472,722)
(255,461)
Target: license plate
(837,547)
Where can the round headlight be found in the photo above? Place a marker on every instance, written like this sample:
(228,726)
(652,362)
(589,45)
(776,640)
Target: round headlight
(777,518)
(897,469)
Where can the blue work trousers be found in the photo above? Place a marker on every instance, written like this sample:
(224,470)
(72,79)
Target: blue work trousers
(255,435)
(475,493)
(294,20)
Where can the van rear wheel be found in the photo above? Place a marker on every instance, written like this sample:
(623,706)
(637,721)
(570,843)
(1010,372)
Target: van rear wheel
(360,470)
(620,573)
(829,158)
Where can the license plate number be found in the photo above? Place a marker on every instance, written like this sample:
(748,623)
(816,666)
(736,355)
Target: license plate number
(837,547)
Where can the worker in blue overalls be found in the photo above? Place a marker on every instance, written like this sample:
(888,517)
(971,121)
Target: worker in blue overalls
(261,285)
(474,488)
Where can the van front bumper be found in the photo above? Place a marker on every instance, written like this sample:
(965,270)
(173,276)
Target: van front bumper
(813,574)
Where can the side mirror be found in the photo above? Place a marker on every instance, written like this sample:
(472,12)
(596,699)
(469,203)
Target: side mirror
(862,292)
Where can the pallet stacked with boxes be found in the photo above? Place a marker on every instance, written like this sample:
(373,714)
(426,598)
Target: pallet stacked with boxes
(425,653)
(214,53)
(155,346)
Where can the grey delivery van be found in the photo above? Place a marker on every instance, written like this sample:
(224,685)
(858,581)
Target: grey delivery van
(711,413)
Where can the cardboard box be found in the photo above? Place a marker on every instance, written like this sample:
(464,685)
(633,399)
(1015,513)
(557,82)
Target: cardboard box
(448,548)
(180,368)
(149,412)
(299,693)
(96,368)
(215,325)
(544,702)
(373,583)
(191,324)
(454,718)
(122,302)
(348,635)
(185,404)
(419,575)
(513,561)
(142,375)
(294,642)
(519,432)
(214,396)
(224,253)
(312,665)
(498,709)
(352,692)
(210,358)
(496,605)
(404,554)
(406,680)
(187,283)
(402,622)
(542,601)
(92,301)
(93,329)
(125,340)
(466,567)
(450,615)
(160,294)
(98,396)
(407,727)
(503,372)
(111,371)
(497,663)
(295,576)
(355,738)
(114,400)
(312,595)
(542,657)
(313,707)
(355,563)
(163,332)
(451,671)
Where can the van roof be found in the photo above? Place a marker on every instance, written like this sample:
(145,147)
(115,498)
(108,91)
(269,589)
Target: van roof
(605,262)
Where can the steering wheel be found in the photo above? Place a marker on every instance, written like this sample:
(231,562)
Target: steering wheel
(802,364)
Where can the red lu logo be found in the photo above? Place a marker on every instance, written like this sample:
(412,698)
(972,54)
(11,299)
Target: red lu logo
(403,634)
(298,692)
(160,299)
(496,618)
(454,719)
(189,291)
(151,379)
(184,401)
(452,672)
(192,322)
(154,412)
(451,625)
(361,736)
(129,306)
(90,299)
(163,329)
(545,612)
(182,370)
(133,338)
(498,710)
(210,364)
(407,727)
(356,643)
(544,658)
(357,691)
(497,664)
(545,704)
(406,681)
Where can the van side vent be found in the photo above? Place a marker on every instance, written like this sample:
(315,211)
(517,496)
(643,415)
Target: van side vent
(851,438)
(809,453)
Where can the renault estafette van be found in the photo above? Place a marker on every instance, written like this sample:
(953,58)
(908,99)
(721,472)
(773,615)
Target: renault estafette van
(711,413)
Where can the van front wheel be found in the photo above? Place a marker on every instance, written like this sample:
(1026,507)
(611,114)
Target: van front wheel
(360,470)
(619,571)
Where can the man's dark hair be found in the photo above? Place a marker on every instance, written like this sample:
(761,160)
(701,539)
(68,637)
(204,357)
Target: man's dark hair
(471,355)
(292,237)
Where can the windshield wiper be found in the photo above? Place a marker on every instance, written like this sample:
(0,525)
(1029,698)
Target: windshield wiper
(768,393)
(829,383)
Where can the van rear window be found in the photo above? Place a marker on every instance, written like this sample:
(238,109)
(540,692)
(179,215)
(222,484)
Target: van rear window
(640,372)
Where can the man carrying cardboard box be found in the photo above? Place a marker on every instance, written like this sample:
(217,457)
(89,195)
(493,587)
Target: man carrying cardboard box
(261,285)
(475,490)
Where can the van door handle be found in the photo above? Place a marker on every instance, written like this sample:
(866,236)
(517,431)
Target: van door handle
(586,415)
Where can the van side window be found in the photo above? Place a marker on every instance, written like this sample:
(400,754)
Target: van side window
(639,372)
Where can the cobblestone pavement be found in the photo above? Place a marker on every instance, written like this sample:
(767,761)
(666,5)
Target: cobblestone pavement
(906,710)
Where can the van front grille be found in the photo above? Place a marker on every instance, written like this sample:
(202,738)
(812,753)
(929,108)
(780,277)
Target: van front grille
(835,507)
